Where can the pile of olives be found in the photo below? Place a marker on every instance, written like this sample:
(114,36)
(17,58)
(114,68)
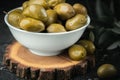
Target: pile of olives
(48,16)
(80,50)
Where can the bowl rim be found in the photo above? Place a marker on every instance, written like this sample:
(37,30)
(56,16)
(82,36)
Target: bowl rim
(39,33)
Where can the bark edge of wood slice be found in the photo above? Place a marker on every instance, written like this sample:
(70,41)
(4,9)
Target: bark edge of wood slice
(24,64)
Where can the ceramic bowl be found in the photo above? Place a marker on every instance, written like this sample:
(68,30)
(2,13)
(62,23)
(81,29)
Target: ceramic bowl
(46,44)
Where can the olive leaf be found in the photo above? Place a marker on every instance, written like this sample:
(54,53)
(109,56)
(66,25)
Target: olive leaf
(114,45)
(104,37)
(97,31)
(104,14)
(91,36)
(116,27)
(107,38)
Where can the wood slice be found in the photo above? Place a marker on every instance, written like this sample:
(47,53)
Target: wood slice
(19,60)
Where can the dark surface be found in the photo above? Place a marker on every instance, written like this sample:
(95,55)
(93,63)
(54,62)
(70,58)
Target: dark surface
(101,32)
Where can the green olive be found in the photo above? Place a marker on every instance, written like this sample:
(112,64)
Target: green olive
(52,17)
(35,11)
(77,52)
(55,27)
(88,45)
(106,71)
(40,2)
(76,22)
(64,10)
(14,17)
(25,4)
(80,9)
(53,3)
(30,24)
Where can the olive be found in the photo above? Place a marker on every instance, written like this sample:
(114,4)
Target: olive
(76,22)
(14,17)
(40,2)
(80,9)
(77,52)
(106,71)
(53,3)
(88,45)
(30,24)
(55,27)
(64,10)
(35,11)
(25,4)
(52,16)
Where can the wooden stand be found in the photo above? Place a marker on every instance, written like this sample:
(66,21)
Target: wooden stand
(25,64)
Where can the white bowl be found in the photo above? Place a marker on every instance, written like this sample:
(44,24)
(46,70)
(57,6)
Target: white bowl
(46,44)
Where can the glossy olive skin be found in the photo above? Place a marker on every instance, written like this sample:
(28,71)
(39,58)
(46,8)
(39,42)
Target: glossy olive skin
(80,9)
(52,16)
(14,17)
(77,52)
(33,25)
(35,11)
(40,2)
(88,45)
(53,3)
(106,71)
(76,22)
(64,10)
(55,28)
